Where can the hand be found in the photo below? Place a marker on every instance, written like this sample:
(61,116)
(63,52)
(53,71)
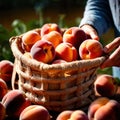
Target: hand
(90,31)
(114,58)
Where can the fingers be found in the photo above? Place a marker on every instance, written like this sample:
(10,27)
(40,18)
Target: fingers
(113,59)
(94,35)
(112,46)
(90,31)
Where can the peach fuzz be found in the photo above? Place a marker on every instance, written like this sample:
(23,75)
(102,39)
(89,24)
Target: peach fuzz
(6,69)
(29,38)
(75,36)
(64,115)
(90,49)
(110,111)
(95,105)
(43,51)
(35,112)
(66,51)
(105,85)
(54,37)
(2,112)
(3,88)
(48,27)
(15,102)
(78,115)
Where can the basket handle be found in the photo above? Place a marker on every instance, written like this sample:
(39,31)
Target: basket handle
(14,74)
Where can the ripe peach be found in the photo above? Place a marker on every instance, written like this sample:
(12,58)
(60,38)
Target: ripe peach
(75,36)
(90,49)
(95,105)
(15,102)
(6,69)
(58,61)
(110,111)
(35,112)
(105,85)
(43,51)
(54,37)
(2,112)
(29,38)
(65,115)
(48,27)
(78,115)
(3,88)
(66,51)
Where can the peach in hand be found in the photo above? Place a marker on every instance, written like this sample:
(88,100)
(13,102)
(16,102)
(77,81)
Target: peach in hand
(3,88)
(75,36)
(43,51)
(35,112)
(66,51)
(6,69)
(105,85)
(29,38)
(54,37)
(15,102)
(90,49)
(48,27)
(95,105)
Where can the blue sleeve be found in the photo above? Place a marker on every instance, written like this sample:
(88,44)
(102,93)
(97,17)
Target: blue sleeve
(97,13)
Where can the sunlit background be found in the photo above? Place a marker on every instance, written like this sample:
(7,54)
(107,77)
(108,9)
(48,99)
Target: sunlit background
(19,16)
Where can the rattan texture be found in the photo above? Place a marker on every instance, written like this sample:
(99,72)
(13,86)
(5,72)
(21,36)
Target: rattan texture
(58,87)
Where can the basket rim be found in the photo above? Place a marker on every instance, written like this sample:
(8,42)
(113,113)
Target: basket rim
(14,43)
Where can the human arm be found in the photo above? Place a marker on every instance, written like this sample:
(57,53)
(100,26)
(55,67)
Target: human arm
(97,14)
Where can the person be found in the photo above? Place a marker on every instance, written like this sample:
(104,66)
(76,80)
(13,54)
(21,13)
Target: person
(98,17)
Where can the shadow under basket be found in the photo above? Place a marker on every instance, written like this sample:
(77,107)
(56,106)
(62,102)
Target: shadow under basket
(58,87)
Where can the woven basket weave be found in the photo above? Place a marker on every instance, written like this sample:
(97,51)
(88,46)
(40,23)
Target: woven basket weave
(57,86)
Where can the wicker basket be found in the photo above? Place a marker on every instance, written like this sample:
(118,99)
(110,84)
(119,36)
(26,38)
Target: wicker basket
(57,86)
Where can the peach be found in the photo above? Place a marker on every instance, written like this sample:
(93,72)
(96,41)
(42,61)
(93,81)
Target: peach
(66,51)
(43,51)
(54,37)
(3,88)
(105,85)
(29,38)
(48,27)
(110,111)
(6,69)
(78,115)
(75,36)
(90,49)
(64,115)
(2,112)
(35,112)
(58,61)
(95,105)
(15,102)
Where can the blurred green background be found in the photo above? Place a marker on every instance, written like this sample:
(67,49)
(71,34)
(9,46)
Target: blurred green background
(19,16)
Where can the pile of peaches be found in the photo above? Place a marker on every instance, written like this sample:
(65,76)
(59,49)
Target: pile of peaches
(14,105)
(51,45)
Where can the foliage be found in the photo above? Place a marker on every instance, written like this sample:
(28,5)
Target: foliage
(19,27)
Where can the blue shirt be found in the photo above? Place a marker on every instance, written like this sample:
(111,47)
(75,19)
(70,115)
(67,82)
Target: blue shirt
(102,14)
